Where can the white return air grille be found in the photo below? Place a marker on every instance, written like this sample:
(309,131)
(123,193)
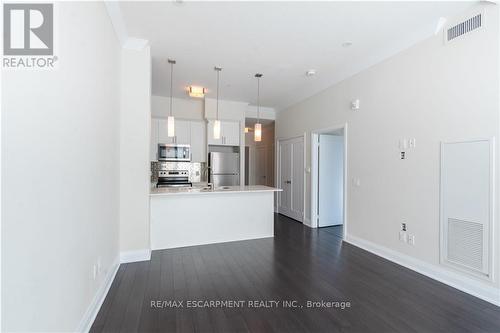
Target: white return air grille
(464,27)
(465,243)
(467,187)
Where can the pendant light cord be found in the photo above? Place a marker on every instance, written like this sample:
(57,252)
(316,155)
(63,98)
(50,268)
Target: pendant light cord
(217,107)
(171,84)
(258,98)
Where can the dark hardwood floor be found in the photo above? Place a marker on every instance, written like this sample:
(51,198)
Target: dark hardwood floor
(337,230)
(299,264)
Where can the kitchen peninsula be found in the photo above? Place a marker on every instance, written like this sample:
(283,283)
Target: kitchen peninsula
(195,216)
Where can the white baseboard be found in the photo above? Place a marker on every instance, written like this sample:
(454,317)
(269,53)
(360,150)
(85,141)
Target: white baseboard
(133,256)
(455,280)
(95,306)
(308,223)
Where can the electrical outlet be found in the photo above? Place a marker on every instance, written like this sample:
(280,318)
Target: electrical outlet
(403,226)
(94,271)
(411,239)
(403,155)
(403,237)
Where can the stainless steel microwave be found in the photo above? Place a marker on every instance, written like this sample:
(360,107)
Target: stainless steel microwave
(174,152)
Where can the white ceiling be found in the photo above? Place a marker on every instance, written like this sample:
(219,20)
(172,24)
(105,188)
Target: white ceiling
(282,40)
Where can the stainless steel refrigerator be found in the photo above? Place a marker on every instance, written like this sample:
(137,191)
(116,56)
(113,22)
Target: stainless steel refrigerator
(224,169)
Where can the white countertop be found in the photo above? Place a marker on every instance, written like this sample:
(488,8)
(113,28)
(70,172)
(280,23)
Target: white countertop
(198,190)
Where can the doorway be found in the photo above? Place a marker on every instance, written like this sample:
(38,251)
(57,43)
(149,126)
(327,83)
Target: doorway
(291,178)
(259,156)
(328,186)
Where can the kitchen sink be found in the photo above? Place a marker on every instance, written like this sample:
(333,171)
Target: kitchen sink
(224,188)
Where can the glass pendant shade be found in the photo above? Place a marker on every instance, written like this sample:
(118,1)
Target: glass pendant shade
(170,126)
(217,129)
(258,132)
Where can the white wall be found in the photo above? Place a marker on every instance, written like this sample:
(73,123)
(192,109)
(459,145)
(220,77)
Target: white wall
(134,150)
(228,110)
(60,186)
(431,92)
(182,107)
(264,112)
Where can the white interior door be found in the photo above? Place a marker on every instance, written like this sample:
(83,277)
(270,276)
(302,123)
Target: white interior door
(298,179)
(285,160)
(291,200)
(330,180)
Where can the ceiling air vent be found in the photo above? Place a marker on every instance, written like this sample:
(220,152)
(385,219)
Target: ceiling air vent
(464,27)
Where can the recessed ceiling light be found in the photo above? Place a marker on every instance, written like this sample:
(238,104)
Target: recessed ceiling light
(346,44)
(311,72)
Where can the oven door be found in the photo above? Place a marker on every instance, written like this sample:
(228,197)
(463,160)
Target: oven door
(179,153)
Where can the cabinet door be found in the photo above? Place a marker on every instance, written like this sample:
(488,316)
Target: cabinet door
(153,151)
(162,132)
(198,146)
(210,134)
(182,132)
(231,133)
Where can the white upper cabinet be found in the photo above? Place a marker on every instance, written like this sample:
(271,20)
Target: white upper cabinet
(182,132)
(186,132)
(162,132)
(230,133)
(210,134)
(198,145)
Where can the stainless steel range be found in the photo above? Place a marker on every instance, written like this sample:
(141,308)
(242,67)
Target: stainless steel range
(173,178)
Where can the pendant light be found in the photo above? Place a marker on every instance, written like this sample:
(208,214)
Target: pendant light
(217,120)
(258,125)
(170,119)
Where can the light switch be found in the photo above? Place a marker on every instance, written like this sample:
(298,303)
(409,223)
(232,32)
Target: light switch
(403,144)
(356,182)
(412,142)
